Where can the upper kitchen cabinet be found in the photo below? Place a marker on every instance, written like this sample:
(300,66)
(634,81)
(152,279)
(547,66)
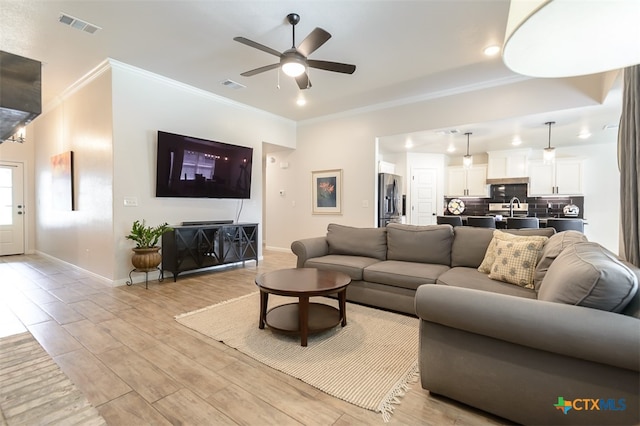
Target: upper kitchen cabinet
(563,177)
(471,182)
(507,164)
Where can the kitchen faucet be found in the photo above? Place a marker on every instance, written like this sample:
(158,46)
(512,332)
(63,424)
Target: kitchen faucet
(516,199)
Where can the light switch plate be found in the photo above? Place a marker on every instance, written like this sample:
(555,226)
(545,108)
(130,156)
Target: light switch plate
(131,201)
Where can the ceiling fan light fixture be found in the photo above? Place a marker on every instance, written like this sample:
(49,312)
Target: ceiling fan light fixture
(293,68)
(556,38)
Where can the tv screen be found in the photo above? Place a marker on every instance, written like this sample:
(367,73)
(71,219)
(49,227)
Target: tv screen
(200,168)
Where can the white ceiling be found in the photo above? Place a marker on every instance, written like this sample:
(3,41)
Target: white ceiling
(402,49)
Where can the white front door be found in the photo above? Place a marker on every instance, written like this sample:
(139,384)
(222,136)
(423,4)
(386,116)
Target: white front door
(423,196)
(11,208)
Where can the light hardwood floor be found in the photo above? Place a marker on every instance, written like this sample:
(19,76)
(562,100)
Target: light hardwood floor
(124,350)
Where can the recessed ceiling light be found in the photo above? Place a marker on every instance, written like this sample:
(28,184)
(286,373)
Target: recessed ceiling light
(584,134)
(408,144)
(451,148)
(516,141)
(491,50)
(301,102)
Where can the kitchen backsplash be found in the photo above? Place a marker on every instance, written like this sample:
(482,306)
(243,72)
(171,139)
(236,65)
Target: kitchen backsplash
(538,206)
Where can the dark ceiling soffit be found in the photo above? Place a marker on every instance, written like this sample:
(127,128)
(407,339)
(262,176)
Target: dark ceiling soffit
(507,181)
(20,92)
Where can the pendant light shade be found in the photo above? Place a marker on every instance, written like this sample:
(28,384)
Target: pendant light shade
(549,154)
(467,160)
(564,38)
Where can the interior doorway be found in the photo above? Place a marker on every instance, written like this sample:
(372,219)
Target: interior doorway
(423,196)
(11,208)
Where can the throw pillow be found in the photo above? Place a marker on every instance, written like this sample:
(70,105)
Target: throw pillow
(587,274)
(552,249)
(516,261)
(490,254)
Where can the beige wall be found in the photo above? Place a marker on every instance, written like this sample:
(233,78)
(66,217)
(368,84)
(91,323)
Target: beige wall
(81,123)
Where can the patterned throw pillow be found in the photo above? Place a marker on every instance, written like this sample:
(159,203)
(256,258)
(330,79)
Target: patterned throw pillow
(490,255)
(516,262)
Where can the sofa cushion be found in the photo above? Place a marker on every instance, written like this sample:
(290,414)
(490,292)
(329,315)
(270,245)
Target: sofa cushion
(490,255)
(471,278)
(586,274)
(516,260)
(367,242)
(350,265)
(424,244)
(552,249)
(408,275)
(469,245)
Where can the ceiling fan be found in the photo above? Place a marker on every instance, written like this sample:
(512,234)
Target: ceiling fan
(294,61)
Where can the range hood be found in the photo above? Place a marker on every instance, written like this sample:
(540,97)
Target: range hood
(507,180)
(20,92)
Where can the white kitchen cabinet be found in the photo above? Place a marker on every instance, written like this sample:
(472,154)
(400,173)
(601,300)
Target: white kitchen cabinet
(563,177)
(471,182)
(507,164)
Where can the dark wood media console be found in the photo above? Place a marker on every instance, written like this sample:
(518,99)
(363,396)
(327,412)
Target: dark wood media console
(192,247)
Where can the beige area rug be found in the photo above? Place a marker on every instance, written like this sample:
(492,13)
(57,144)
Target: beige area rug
(34,391)
(368,363)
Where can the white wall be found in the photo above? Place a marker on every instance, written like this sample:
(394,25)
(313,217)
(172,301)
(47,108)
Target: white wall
(144,103)
(348,141)
(110,121)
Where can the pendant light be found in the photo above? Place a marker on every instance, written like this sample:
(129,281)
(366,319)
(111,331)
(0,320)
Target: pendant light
(549,154)
(467,160)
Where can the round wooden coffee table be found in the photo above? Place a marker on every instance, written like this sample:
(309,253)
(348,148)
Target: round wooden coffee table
(302,317)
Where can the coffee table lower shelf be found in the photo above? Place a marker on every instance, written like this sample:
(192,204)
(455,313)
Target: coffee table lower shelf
(286,318)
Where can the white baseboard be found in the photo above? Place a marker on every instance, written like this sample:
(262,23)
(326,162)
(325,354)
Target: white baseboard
(100,278)
(279,249)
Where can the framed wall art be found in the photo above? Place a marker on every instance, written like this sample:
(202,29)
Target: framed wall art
(62,181)
(327,191)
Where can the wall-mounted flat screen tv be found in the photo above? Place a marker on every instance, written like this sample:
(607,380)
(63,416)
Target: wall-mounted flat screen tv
(200,168)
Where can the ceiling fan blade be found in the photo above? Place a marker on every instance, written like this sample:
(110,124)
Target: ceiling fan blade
(258,46)
(259,70)
(303,81)
(332,66)
(313,41)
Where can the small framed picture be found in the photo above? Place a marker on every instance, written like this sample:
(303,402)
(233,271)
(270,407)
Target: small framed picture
(327,191)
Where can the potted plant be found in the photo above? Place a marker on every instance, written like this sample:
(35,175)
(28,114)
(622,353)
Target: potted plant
(146,255)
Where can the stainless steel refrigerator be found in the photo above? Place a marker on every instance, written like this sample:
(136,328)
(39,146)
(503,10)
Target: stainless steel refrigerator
(389,199)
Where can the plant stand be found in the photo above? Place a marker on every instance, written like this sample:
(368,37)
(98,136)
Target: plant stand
(146,276)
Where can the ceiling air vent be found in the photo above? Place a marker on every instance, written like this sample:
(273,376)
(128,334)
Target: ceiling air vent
(448,132)
(233,84)
(78,24)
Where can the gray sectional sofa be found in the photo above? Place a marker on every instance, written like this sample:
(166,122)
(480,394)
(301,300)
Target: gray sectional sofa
(553,342)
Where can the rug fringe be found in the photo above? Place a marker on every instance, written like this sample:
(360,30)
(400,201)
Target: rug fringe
(206,308)
(387,405)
